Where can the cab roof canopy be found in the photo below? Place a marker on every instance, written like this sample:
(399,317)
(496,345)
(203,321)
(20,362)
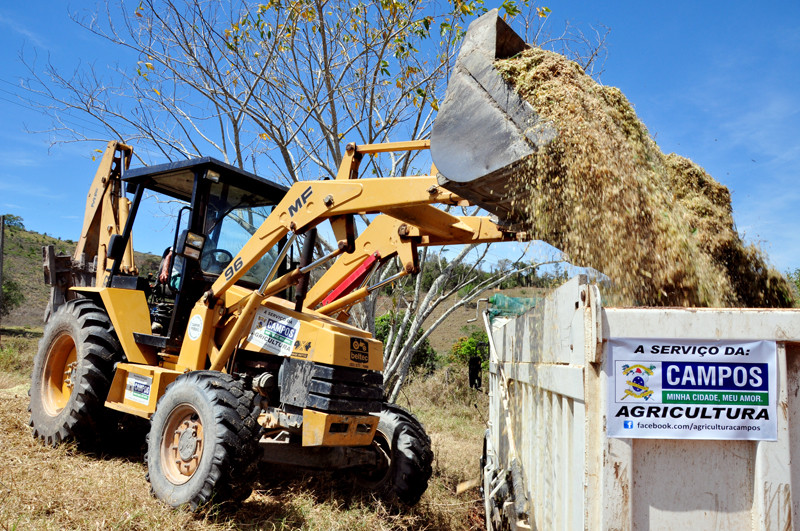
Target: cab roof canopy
(176,179)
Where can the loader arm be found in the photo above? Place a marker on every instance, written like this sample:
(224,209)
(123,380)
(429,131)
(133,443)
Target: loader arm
(387,237)
(306,205)
(309,203)
(107,211)
(236,314)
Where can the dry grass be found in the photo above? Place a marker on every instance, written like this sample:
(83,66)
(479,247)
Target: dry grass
(603,192)
(63,488)
(454,415)
(17,348)
(58,488)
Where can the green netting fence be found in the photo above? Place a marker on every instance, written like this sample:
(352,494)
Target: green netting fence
(504,306)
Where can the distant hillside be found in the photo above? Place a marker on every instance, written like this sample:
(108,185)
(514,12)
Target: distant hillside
(23,263)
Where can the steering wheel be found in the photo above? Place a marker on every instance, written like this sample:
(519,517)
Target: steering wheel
(215,260)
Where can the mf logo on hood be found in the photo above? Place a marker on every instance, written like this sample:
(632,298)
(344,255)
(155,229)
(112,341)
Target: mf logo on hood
(300,202)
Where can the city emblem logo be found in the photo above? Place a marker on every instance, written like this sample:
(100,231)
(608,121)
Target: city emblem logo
(636,377)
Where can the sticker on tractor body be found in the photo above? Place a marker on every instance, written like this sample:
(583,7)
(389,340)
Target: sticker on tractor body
(195,327)
(692,389)
(274,332)
(137,388)
(302,349)
(359,350)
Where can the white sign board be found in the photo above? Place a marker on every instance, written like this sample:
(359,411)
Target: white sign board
(274,332)
(137,388)
(692,389)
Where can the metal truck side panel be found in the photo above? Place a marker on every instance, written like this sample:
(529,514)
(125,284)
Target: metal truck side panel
(553,364)
(536,358)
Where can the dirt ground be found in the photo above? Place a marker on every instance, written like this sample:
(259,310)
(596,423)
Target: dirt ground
(64,488)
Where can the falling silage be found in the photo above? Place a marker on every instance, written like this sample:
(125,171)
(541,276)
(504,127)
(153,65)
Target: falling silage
(603,192)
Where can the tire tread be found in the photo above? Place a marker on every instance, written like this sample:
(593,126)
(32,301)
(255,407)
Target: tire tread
(84,417)
(230,475)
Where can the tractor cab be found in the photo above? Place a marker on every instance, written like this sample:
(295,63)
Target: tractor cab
(223,207)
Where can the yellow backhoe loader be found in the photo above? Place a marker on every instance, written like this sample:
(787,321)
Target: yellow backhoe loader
(227,370)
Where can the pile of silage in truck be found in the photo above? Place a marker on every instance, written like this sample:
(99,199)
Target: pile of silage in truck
(657,225)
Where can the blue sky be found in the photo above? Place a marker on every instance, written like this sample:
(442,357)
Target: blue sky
(713,81)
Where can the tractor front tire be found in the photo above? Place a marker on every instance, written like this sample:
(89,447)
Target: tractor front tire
(72,373)
(203,441)
(406,448)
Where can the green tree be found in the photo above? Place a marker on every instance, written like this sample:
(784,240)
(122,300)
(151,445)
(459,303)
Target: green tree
(12,297)
(14,221)
(465,347)
(794,278)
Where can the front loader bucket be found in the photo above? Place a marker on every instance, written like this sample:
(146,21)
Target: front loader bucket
(484,130)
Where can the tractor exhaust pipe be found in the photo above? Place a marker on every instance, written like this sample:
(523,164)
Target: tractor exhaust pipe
(484,130)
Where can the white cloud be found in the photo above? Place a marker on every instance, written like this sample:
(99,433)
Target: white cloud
(20,158)
(22,188)
(15,27)
(766,127)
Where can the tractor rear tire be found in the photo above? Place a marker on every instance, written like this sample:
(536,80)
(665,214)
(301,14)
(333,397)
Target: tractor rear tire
(72,373)
(402,440)
(203,441)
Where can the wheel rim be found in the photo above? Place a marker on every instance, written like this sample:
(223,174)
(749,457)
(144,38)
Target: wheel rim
(60,371)
(378,475)
(182,444)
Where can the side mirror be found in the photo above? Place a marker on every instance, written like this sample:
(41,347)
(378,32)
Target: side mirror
(116,247)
